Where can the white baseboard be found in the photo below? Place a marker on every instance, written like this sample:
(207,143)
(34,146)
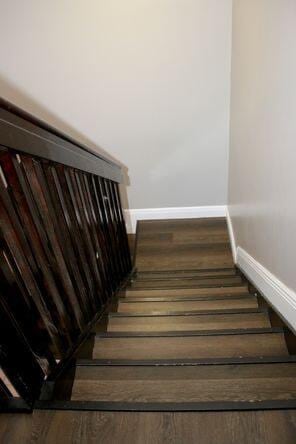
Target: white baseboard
(282,298)
(132,216)
(231,236)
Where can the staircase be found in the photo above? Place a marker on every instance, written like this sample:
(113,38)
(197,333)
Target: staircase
(181,340)
(85,340)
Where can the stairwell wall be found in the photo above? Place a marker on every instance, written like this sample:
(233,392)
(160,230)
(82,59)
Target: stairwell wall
(146,80)
(262,166)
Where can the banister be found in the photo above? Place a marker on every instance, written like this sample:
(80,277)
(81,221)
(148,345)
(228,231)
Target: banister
(21,131)
(63,248)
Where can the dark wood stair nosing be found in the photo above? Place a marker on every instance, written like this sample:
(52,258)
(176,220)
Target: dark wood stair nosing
(15,405)
(186,362)
(116,406)
(191,313)
(226,332)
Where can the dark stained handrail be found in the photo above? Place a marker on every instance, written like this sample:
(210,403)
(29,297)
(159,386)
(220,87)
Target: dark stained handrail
(63,248)
(21,131)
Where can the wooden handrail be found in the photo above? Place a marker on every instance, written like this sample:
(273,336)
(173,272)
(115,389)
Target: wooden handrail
(63,247)
(21,131)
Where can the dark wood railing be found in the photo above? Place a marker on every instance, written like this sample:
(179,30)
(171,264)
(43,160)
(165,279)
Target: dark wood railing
(63,251)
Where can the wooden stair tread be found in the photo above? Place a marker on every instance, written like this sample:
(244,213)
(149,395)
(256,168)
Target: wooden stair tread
(268,344)
(185,273)
(188,323)
(184,283)
(158,307)
(241,289)
(251,382)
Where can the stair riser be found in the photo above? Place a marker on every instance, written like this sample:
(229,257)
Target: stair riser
(184,283)
(158,307)
(184,274)
(187,292)
(270,344)
(188,323)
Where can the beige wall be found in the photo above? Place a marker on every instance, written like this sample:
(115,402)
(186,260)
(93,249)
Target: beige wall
(262,180)
(146,80)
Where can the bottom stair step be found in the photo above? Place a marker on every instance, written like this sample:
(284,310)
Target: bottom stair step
(190,347)
(227,383)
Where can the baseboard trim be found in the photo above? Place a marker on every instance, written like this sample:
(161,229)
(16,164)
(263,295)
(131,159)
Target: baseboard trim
(133,215)
(231,236)
(282,298)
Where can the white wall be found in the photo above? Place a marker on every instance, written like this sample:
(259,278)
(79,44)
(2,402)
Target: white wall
(262,181)
(147,80)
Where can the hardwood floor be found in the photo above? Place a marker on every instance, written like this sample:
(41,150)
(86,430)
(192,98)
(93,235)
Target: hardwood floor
(65,427)
(186,303)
